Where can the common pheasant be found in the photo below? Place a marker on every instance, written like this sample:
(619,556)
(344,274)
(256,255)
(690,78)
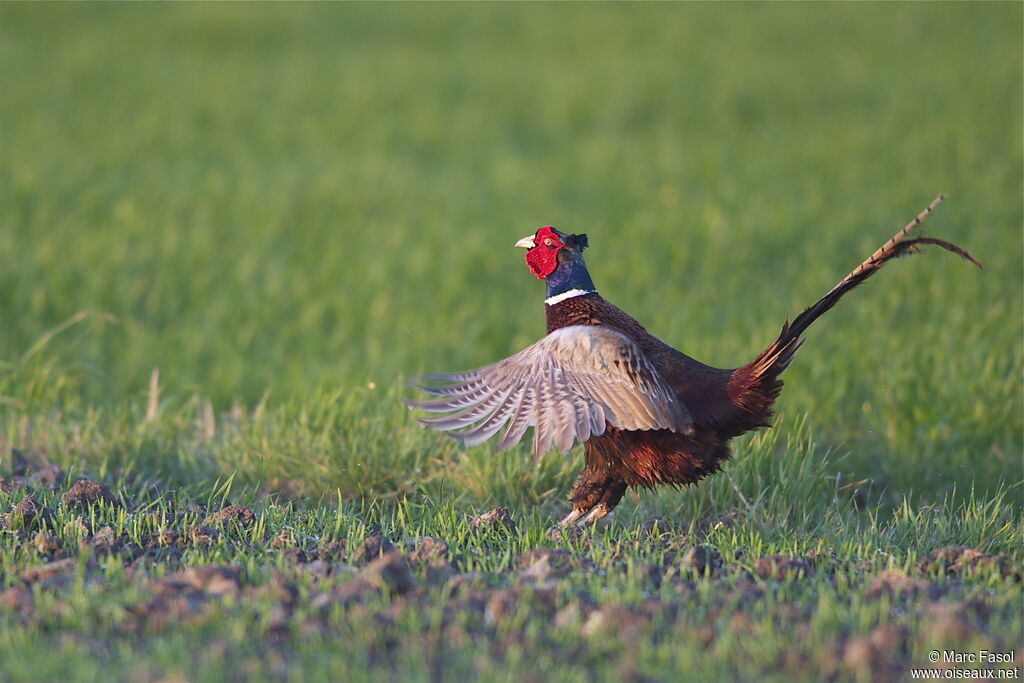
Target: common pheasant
(645,413)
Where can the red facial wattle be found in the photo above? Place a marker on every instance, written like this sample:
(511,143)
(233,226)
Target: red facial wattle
(542,259)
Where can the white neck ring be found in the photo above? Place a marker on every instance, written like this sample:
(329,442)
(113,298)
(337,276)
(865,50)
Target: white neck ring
(552,300)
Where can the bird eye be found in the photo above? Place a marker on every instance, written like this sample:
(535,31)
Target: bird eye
(548,241)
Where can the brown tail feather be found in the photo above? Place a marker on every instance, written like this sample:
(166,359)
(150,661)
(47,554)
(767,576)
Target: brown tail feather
(758,380)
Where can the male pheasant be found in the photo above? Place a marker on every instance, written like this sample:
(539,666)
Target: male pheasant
(645,413)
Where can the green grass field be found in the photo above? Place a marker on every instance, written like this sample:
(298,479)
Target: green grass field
(229,234)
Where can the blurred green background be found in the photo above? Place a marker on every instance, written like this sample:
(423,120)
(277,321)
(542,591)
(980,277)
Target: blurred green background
(278,201)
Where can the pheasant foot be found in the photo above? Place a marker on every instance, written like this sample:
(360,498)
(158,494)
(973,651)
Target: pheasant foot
(579,519)
(570,518)
(597,512)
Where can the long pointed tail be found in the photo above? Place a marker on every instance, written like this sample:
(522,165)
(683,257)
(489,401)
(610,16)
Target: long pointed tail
(756,384)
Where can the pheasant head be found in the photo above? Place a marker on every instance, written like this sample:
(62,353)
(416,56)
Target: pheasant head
(557,258)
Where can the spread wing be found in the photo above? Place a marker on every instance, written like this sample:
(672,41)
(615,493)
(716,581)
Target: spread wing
(566,386)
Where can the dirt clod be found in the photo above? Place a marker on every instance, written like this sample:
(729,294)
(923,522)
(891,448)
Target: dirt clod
(942,559)
(345,593)
(746,591)
(202,534)
(183,594)
(896,582)
(613,618)
(376,545)
(53,574)
(435,558)
(49,476)
(279,588)
(971,610)
(948,627)
(700,559)
(955,559)
(331,549)
(430,549)
(25,461)
(47,544)
(500,604)
(783,567)
(320,569)
(17,599)
(236,514)
(390,571)
(283,541)
(162,538)
(84,492)
(103,539)
(209,579)
(498,519)
(28,511)
(506,601)
(877,652)
(543,564)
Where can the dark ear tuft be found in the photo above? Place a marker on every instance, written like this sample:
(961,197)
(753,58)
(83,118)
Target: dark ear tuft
(580,242)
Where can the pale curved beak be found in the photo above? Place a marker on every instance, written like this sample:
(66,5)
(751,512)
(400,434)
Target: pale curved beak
(526,242)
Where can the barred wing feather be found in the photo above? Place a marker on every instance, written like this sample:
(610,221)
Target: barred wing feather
(567,386)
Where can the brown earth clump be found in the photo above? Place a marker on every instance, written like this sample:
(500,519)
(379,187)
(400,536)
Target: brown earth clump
(435,559)
(390,571)
(345,593)
(894,582)
(49,476)
(184,594)
(498,519)
(504,602)
(232,514)
(331,549)
(103,539)
(956,559)
(47,544)
(783,567)
(161,538)
(430,549)
(878,653)
(51,575)
(17,599)
(202,535)
(543,564)
(618,619)
(85,492)
(322,569)
(208,579)
(28,512)
(376,545)
(700,560)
